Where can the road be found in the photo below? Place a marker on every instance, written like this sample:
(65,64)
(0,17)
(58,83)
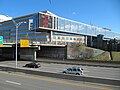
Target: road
(102,72)
(20,81)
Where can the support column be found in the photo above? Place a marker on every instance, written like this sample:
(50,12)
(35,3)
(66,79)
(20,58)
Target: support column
(51,36)
(91,41)
(86,40)
(34,55)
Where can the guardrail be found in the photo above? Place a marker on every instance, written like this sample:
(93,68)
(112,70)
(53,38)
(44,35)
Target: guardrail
(62,76)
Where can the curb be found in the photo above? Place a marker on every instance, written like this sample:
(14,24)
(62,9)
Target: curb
(63,76)
(85,64)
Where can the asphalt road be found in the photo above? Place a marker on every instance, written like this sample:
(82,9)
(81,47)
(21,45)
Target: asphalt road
(20,81)
(102,72)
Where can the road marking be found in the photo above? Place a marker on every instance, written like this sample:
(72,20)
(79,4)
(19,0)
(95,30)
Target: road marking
(13,82)
(58,81)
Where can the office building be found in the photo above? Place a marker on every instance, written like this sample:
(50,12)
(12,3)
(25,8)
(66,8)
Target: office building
(46,27)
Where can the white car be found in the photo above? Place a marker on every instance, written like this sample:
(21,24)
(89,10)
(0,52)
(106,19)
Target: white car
(73,70)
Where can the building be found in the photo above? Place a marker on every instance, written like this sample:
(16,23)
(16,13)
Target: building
(45,27)
(48,28)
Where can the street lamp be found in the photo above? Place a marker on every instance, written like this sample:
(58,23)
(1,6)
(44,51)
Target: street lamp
(16,26)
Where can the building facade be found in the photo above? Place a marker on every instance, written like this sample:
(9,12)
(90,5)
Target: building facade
(48,28)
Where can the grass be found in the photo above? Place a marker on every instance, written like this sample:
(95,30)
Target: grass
(105,56)
(101,57)
(89,47)
(116,56)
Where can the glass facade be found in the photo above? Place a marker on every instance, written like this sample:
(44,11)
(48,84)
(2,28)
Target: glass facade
(66,25)
(81,28)
(25,30)
(60,27)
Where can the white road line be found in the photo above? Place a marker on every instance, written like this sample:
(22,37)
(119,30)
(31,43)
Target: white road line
(13,82)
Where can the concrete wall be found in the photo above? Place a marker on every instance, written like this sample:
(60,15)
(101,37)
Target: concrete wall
(7,52)
(28,53)
(76,51)
(52,52)
(23,53)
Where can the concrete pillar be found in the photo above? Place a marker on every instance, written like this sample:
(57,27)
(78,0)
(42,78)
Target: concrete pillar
(53,23)
(51,36)
(34,55)
(86,40)
(91,41)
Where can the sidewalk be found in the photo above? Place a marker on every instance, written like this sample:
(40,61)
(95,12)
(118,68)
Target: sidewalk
(80,62)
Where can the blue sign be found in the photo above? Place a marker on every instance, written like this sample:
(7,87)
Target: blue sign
(1,39)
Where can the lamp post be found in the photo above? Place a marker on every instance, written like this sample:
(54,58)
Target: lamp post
(16,27)
(17,24)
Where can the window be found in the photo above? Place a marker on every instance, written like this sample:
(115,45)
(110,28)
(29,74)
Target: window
(58,37)
(63,38)
(67,38)
(69,69)
(70,38)
(54,37)
(78,69)
(74,69)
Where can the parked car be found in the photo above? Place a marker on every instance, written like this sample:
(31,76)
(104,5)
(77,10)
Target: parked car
(73,70)
(33,65)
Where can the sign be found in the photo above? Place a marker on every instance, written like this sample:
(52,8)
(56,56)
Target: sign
(45,21)
(24,43)
(31,25)
(1,39)
(1,45)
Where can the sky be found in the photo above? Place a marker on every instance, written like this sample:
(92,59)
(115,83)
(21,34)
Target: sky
(102,13)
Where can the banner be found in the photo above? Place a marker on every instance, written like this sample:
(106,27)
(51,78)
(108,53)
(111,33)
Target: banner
(45,21)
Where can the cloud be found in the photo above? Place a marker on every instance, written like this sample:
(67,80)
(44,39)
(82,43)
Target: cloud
(73,13)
